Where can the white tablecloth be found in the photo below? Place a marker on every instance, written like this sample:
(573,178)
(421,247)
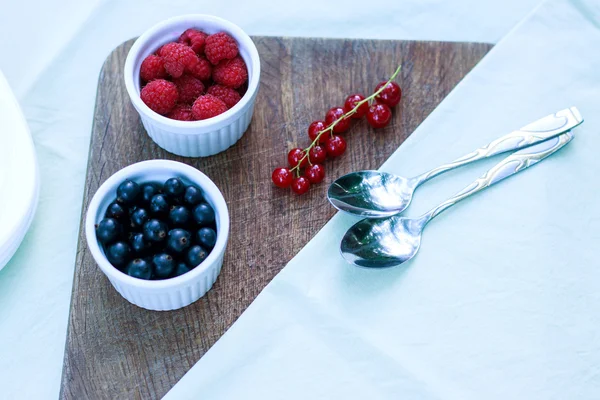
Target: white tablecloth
(51,54)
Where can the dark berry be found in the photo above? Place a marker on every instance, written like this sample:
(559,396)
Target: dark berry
(179,216)
(282,177)
(318,154)
(155,231)
(163,265)
(159,205)
(390,95)
(336,146)
(178,241)
(192,195)
(118,254)
(195,255)
(315,128)
(379,115)
(300,185)
(204,214)
(334,114)
(174,187)
(315,173)
(117,211)
(139,268)
(128,192)
(139,217)
(139,244)
(181,268)
(296,156)
(148,191)
(207,237)
(108,230)
(352,101)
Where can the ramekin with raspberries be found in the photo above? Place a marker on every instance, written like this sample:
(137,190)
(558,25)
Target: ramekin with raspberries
(193,79)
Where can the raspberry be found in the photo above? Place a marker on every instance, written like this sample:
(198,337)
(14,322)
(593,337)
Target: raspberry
(181,112)
(189,88)
(177,58)
(160,95)
(202,69)
(153,67)
(220,46)
(231,73)
(228,95)
(208,106)
(193,38)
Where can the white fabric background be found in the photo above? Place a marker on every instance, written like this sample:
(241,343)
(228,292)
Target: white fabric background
(51,53)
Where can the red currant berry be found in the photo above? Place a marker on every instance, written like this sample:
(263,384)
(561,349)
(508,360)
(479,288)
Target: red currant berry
(332,115)
(317,154)
(282,177)
(379,115)
(294,157)
(390,95)
(351,102)
(314,129)
(300,185)
(315,173)
(336,146)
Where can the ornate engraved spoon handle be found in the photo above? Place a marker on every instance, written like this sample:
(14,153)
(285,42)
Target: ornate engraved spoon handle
(538,131)
(509,166)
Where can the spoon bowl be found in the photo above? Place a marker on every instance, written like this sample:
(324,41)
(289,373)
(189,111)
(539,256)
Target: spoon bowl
(371,194)
(382,242)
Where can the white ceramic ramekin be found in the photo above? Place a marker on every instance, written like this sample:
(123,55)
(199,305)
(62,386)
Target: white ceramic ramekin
(168,294)
(193,138)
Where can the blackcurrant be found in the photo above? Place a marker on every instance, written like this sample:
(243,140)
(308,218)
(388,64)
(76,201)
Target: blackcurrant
(178,241)
(174,187)
(195,255)
(179,216)
(163,265)
(207,237)
(155,231)
(116,211)
(204,214)
(192,195)
(148,191)
(108,230)
(159,205)
(139,217)
(128,192)
(181,268)
(139,268)
(118,254)
(139,244)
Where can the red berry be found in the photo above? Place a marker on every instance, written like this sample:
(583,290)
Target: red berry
(313,130)
(351,102)
(220,46)
(202,69)
(181,112)
(379,115)
(160,95)
(229,96)
(300,185)
(208,106)
(390,95)
(315,173)
(193,38)
(189,88)
(153,67)
(336,146)
(295,155)
(317,154)
(231,73)
(282,177)
(178,57)
(332,115)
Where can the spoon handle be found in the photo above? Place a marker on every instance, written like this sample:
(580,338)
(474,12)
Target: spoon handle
(536,132)
(511,165)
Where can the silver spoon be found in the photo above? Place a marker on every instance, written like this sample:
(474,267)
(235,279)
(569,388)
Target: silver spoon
(375,194)
(386,242)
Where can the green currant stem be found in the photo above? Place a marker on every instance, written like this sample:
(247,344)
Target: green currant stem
(346,115)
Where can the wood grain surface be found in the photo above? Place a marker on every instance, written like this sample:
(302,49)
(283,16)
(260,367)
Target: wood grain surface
(116,350)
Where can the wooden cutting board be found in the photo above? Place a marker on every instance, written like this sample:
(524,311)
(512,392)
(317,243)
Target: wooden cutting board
(117,350)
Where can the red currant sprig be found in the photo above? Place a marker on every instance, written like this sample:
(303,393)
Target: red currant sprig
(325,139)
